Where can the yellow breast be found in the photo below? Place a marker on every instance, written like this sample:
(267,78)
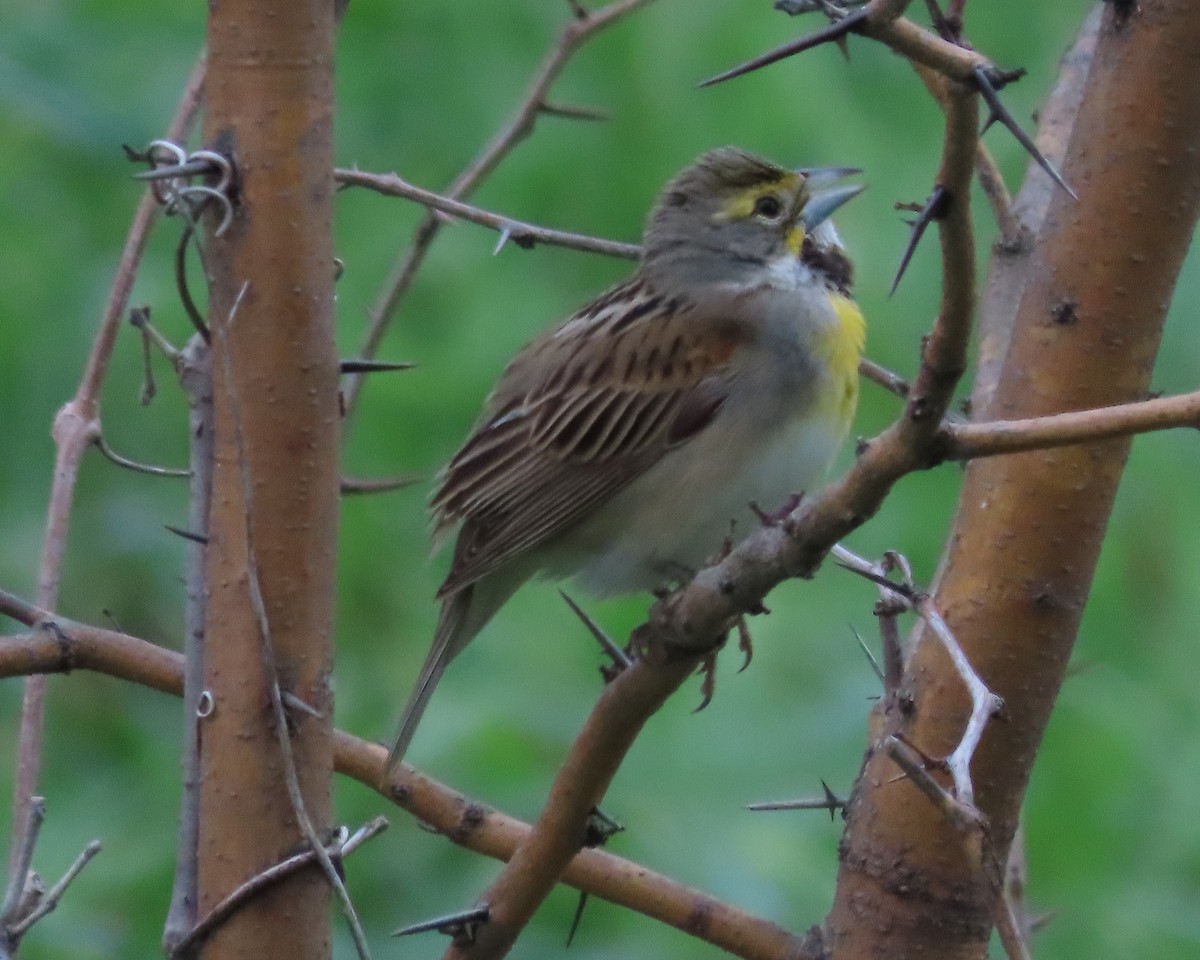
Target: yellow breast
(843,344)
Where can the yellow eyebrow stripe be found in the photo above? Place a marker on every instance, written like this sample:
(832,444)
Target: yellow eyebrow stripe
(742,205)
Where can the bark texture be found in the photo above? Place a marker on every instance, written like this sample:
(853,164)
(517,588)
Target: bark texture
(269,107)
(1022,554)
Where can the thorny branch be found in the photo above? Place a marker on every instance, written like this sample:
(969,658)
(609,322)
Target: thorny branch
(691,622)
(68,645)
(76,426)
(344,845)
(525,234)
(26,900)
(266,646)
(582,27)
(519,232)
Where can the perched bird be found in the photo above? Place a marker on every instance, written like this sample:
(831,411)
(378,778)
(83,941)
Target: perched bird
(618,447)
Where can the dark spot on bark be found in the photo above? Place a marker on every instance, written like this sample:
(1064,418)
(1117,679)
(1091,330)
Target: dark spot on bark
(1124,9)
(472,819)
(1064,313)
(918,409)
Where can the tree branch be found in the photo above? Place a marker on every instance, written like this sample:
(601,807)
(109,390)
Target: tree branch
(518,231)
(966,441)
(68,645)
(76,426)
(1022,552)
(582,27)
(691,623)
(274,500)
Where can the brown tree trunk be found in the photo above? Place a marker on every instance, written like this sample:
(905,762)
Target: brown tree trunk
(1021,556)
(269,107)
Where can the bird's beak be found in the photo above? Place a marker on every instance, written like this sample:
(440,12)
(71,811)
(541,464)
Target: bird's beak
(822,203)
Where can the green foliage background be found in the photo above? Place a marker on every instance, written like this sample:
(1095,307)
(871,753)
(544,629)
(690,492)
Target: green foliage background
(1113,835)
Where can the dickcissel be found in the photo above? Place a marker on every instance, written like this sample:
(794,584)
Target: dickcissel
(619,447)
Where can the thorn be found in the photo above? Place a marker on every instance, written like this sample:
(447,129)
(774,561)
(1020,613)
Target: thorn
(600,828)
(850,23)
(189,168)
(583,899)
(355,485)
(186,534)
(505,236)
(1041,920)
(300,706)
(934,209)
(793,8)
(830,801)
(572,112)
(902,589)
(464,924)
(618,656)
(869,655)
(989,82)
(363,365)
(835,802)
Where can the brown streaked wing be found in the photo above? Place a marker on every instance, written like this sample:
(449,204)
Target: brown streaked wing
(587,423)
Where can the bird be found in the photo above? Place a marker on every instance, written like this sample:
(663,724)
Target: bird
(618,448)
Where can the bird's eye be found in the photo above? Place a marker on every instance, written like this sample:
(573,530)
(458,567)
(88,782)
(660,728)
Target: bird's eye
(768,206)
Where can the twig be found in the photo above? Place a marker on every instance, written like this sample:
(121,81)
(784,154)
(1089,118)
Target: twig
(243,894)
(967,441)
(882,21)
(194,369)
(521,233)
(892,382)
(1013,922)
(26,843)
(582,27)
(75,425)
(352,486)
(52,896)
(102,445)
(991,181)
(267,649)
(963,815)
(984,703)
(76,646)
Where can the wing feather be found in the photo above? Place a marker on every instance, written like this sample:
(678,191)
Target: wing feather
(569,424)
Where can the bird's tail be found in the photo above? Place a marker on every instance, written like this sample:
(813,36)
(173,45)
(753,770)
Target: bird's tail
(464,614)
(448,640)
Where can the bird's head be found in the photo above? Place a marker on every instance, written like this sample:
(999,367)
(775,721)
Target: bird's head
(731,213)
